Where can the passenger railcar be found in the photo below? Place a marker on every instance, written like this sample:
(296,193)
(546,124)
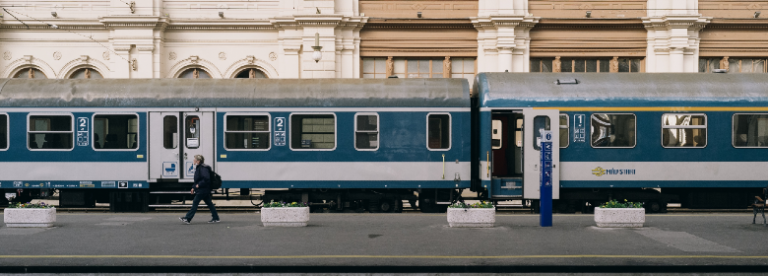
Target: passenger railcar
(338,143)
(698,139)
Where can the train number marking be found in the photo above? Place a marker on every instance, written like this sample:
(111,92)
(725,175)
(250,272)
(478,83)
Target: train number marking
(82,131)
(280,136)
(579,130)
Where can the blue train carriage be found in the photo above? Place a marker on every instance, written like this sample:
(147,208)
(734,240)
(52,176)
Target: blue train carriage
(695,139)
(350,143)
(72,137)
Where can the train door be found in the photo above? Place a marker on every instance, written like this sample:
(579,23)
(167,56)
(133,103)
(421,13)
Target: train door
(175,138)
(533,121)
(507,148)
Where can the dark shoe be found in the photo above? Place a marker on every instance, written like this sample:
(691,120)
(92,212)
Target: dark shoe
(214,221)
(184,220)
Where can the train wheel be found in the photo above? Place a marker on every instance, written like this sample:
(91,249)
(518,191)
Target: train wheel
(652,207)
(374,206)
(387,206)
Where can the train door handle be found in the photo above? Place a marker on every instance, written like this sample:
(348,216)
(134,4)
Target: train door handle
(443,166)
(185,156)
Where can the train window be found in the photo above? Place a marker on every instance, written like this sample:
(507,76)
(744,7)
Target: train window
(564,131)
(539,122)
(115,132)
(247,132)
(613,130)
(438,131)
(192,132)
(50,132)
(3,131)
(313,132)
(367,132)
(750,130)
(170,132)
(684,130)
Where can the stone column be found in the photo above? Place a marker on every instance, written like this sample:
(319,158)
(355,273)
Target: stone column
(447,68)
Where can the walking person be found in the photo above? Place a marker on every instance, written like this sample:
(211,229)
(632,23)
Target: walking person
(202,190)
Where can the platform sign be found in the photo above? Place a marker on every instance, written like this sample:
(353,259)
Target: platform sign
(82,131)
(280,138)
(545,209)
(579,131)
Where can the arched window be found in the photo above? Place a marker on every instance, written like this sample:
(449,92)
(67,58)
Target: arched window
(250,73)
(86,73)
(30,73)
(194,73)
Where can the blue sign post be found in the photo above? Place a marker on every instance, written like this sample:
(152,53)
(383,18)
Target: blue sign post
(545,209)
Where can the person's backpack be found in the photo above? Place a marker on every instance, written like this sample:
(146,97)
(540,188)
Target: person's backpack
(215,179)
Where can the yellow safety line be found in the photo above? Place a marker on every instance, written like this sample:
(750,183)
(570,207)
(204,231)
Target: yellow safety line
(382,257)
(660,108)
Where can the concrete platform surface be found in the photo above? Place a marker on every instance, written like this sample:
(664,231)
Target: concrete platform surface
(160,239)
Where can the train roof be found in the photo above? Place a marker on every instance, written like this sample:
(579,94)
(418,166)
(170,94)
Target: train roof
(235,93)
(620,89)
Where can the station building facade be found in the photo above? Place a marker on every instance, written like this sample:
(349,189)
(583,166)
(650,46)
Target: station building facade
(376,38)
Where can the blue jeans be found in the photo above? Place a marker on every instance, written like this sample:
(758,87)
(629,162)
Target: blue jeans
(204,197)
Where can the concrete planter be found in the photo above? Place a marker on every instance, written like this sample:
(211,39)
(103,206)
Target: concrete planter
(29,217)
(285,216)
(471,217)
(619,217)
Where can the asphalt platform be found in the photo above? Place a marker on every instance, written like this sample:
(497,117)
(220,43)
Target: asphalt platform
(383,240)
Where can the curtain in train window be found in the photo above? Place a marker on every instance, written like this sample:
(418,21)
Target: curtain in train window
(367,132)
(3,131)
(313,132)
(50,132)
(684,130)
(247,132)
(438,131)
(750,130)
(115,132)
(564,131)
(612,130)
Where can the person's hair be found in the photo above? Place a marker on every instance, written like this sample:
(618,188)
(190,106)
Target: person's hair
(200,158)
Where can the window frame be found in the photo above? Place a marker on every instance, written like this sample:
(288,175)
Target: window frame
(71,132)
(591,126)
(7,131)
(450,131)
(138,131)
(733,138)
(335,130)
(567,127)
(378,130)
(705,127)
(269,129)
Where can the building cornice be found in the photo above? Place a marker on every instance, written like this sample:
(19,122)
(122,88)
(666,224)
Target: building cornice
(695,21)
(132,22)
(496,21)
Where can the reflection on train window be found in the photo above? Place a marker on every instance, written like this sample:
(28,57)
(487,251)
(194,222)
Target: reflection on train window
(247,132)
(367,132)
(613,130)
(539,122)
(50,132)
(684,130)
(170,132)
(564,131)
(192,132)
(438,131)
(115,132)
(750,130)
(3,131)
(316,131)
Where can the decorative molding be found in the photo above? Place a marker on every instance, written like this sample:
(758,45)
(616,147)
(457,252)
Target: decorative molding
(463,25)
(105,55)
(84,62)
(172,56)
(26,62)
(272,56)
(251,62)
(191,62)
(222,56)
(203,26)
(57,55)
(7,55)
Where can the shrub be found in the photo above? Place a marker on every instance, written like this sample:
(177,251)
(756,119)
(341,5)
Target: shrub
(625,204)
(40,205)
(481,204)
(273,204)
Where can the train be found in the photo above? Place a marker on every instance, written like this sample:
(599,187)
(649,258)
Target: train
(371,144)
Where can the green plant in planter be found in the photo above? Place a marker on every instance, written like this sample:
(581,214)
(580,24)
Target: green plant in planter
(273,204)
(481,204)
(626,204)
(30,205)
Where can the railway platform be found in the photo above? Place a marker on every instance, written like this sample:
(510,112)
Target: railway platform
(382,240)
